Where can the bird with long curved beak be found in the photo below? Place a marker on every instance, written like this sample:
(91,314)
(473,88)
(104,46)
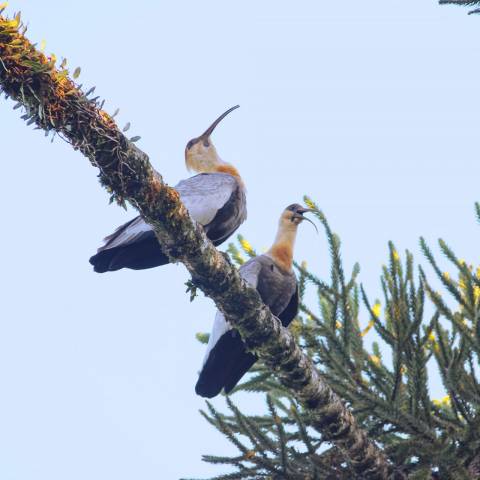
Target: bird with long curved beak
(227,359)
(215,198)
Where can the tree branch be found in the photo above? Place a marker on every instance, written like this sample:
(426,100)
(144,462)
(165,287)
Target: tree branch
(55,103)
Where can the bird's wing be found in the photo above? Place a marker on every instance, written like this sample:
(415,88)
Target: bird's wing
(128,233)
(291,310)
(245,360)
(205,194)
(249,271)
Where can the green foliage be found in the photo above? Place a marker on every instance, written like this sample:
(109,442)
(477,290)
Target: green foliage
(54,102)
(384,382)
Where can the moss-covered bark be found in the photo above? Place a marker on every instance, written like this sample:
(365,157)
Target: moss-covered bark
(55,103)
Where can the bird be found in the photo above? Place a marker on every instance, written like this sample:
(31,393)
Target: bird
(227,359)
(215,198)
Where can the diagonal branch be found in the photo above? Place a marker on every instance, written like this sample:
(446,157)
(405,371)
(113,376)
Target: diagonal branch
(53,102)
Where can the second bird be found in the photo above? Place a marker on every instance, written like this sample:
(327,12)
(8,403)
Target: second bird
(215,198)
(227,359)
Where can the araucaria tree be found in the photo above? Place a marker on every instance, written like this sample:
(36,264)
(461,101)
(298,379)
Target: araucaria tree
(387,386)
(333,408)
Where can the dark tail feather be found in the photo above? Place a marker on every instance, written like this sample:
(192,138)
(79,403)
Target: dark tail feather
(209,386)
(239,370)
(137,256)
(101,261)
(227,363)
(214,373)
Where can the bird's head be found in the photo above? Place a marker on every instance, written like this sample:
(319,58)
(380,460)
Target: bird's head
(282,249)
(200,153)
(292,216)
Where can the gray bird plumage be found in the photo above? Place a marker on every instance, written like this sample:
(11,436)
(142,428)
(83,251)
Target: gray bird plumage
(215,200)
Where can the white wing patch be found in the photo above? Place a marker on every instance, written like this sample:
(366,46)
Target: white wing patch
(220,327)
(249,271)
(205,194)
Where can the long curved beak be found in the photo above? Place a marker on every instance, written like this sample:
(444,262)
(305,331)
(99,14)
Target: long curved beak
(304,210)
(309,221)
(212,127)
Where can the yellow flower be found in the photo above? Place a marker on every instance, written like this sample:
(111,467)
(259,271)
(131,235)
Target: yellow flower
(432,342)
(371,323)
(338,324)
(43,44)
(246,246)
(478,272)
(461,284)
(476,292)
(3,5)
(446,275)
(396,256)
(309,203)
(445,401)
(376,309)
(403,369)
(375,359)
(12,23)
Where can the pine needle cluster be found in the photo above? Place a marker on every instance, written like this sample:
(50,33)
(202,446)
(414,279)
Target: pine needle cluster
(463,3)
(418,332)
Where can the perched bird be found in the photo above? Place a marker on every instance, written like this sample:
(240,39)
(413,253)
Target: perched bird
(215,198)
(226,359)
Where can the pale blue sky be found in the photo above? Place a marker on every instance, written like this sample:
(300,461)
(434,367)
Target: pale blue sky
(368,107)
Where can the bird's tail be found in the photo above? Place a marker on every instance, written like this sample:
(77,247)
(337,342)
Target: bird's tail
(238,371)
(137,256)
(226,364)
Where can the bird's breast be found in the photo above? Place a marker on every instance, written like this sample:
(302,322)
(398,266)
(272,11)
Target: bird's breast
(275,286)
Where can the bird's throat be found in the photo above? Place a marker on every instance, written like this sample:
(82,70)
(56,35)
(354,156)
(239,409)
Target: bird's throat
(282,254)
(227,168)
(282,249)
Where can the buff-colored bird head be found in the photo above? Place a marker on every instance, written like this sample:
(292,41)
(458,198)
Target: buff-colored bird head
(201,155)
